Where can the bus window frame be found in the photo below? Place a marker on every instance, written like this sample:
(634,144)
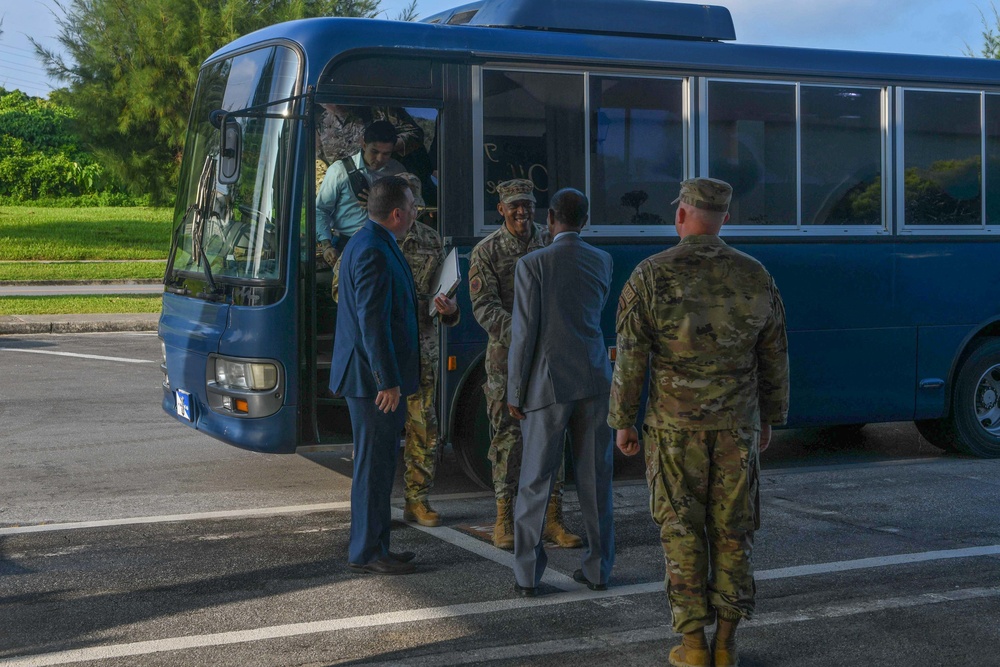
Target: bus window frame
(800,230)
(688,112)
(696,155)
(983,229)
(481,229)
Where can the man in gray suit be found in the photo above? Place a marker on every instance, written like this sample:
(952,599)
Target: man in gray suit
(559,379)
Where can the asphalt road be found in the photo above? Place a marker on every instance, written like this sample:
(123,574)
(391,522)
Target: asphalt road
(129,539)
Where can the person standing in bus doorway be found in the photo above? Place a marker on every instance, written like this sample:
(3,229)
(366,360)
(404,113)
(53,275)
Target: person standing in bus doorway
(341,200)
(376,364)
(708,322)
(559,380)
(491,286)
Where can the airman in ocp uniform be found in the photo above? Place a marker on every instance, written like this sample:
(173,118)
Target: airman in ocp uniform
(708,323)
(491,286)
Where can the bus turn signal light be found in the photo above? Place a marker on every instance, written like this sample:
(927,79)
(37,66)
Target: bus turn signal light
(242,405)
(452,363)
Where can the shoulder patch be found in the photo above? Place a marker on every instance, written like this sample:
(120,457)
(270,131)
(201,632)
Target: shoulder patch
(475,285)
(626,302)
(627,298)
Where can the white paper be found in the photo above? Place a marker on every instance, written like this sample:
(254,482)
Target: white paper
(447,279)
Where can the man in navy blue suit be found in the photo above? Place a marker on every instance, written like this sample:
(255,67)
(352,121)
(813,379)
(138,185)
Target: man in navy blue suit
(376,364)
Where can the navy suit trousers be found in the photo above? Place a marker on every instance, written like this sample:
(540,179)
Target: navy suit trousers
(376,446)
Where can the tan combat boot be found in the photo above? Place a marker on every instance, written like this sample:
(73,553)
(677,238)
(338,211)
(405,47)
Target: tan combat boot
(503,530)
(555,531)
(692,652)
(724,642)
(419,511)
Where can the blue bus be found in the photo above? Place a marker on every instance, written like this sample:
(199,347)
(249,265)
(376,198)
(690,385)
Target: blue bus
(868,184)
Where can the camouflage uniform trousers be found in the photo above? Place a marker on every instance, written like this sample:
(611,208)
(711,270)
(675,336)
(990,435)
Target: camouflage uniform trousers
(704,495)
(505,452)
(421,448)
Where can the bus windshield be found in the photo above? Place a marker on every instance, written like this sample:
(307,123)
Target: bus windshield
(232,231)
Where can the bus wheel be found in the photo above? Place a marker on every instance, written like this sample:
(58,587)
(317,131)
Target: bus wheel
(975,412)
(471,433)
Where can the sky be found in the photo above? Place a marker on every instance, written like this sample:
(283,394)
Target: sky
(931,27)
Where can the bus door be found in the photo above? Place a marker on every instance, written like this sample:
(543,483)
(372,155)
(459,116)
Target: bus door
(342,175)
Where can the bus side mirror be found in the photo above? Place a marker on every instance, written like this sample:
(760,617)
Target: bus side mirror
(231,149)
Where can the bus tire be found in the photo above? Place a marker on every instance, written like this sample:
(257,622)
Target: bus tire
(975,412)
(938,432)
(471,430)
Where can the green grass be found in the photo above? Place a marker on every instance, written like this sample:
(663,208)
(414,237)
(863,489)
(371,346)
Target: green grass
(28,233)
(81,271)
(62,305)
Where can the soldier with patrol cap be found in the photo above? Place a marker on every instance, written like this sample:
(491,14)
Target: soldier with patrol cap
(708,323)
(491,286)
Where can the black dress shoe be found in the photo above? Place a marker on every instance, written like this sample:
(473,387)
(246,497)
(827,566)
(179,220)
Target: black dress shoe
(525,591)
(402,556)
(384,565)
(580,578)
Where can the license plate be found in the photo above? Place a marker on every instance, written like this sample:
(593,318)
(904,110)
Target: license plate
(182,404)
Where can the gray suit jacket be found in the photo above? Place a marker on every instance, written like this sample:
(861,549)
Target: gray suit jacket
(557,352)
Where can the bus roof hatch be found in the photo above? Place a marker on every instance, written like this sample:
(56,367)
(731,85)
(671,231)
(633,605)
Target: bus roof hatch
(613,17)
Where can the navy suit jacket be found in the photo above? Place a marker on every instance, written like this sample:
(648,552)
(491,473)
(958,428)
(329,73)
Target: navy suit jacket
(376,344)
(557,352)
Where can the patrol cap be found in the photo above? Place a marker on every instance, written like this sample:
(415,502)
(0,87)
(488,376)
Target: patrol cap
(516,189)
(709,194)
(416,187)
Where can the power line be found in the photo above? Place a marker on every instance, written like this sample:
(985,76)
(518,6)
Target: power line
(23,67)
(17,50)
(7,53)
(25,82)
(17,63)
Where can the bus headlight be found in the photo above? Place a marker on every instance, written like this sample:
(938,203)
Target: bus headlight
(255,376)
(246,388)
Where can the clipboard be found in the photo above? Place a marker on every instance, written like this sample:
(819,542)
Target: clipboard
(446,279)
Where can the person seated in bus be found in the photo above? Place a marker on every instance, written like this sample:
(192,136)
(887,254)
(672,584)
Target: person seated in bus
(424,252)
(340,128)
(342,197)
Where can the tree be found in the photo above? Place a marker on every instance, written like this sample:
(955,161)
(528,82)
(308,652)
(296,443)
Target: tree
(40,157)
(991,38)
(131,67)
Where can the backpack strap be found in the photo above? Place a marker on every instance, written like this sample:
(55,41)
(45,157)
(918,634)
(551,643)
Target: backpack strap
(358,181)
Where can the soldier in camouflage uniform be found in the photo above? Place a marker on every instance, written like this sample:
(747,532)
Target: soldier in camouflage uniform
(708,323)
(491,286)
(340,129)
(424,251)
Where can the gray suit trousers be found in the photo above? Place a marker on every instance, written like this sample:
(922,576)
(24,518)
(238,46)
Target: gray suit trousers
(543,433)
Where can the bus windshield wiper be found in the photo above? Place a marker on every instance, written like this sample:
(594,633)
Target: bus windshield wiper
(202,258)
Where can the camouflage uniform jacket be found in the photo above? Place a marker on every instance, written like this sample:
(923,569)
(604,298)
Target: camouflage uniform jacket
(491,286)
(424,252)
(709,322)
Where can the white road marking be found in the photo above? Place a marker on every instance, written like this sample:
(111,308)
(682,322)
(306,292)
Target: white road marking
(166,518)
(573,592)
(475,608)
(489,552)
(80,356)
(660,633)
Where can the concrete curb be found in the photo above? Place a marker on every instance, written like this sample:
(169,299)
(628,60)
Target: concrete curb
(67,324)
